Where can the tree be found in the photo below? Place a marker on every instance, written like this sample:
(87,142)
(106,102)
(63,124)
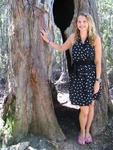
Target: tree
(30,62)
(34,110)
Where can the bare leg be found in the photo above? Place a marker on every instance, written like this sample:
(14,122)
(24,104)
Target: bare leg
(84,111)
(90,119)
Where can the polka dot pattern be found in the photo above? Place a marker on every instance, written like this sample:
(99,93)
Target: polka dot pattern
(81,81)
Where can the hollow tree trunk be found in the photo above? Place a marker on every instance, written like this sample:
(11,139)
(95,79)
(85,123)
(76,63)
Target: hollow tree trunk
(30,58)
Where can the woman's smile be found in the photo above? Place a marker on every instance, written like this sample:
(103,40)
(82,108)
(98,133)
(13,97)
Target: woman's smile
(82,23)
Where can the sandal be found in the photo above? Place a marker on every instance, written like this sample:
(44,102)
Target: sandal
(88,139)
(81,140)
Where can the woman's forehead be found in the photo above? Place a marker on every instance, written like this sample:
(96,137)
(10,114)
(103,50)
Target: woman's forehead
(81,17)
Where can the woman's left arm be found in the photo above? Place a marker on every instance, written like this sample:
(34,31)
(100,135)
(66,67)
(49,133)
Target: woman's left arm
(98,56)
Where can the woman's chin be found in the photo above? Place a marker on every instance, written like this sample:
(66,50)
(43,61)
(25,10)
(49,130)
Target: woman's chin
(83,29)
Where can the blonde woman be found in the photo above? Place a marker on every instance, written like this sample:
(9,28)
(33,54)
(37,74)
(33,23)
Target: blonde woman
(85,78)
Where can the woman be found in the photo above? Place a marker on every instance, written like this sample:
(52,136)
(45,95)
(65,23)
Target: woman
(85,77)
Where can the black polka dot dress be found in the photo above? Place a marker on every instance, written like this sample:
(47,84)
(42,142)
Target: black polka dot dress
(83,74)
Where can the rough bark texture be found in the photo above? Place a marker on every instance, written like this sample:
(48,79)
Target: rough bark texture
(30,62)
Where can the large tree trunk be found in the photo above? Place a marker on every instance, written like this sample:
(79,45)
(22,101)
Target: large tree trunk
(30,60)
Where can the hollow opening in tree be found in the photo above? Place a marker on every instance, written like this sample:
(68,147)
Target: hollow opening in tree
(63,13)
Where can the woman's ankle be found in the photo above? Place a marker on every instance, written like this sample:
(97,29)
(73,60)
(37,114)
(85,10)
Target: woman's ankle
(82,133)
(87,133)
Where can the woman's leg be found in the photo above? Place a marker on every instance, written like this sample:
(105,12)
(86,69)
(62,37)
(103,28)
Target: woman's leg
(90,119)
(83,116)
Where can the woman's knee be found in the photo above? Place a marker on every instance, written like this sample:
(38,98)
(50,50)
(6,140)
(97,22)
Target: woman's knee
(84,110)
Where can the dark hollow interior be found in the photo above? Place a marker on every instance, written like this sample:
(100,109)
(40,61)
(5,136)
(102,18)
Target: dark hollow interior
(63,12)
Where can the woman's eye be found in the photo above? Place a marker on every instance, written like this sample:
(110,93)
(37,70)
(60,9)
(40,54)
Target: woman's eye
(84,21)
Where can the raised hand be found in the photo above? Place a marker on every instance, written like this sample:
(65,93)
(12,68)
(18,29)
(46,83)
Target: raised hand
(44,35)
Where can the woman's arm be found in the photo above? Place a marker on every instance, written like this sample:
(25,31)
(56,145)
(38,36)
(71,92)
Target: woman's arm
(65,46)
(98,56)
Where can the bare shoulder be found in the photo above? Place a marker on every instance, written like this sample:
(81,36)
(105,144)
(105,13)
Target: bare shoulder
(97,40)
(98,46)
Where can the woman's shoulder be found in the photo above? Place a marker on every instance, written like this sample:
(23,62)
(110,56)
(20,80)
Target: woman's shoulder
(97,39)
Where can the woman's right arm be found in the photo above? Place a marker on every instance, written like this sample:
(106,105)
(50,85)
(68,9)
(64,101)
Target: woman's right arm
(65,46)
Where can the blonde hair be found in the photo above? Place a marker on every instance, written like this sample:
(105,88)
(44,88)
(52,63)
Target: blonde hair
(92,33)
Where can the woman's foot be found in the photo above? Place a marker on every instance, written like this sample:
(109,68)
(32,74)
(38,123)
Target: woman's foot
(88,138)
(81,140)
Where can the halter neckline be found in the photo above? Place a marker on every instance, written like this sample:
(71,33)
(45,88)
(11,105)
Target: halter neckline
(83,42)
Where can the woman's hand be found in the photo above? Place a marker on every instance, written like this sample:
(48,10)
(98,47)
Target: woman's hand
(44,35)
(96,87)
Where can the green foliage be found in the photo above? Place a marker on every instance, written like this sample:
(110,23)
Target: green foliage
(105,10)
(7,130)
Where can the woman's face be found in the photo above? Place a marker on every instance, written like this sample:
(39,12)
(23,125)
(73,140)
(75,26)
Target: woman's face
(82,23)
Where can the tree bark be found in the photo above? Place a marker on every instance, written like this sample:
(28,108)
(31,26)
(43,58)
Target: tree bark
(30,59)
